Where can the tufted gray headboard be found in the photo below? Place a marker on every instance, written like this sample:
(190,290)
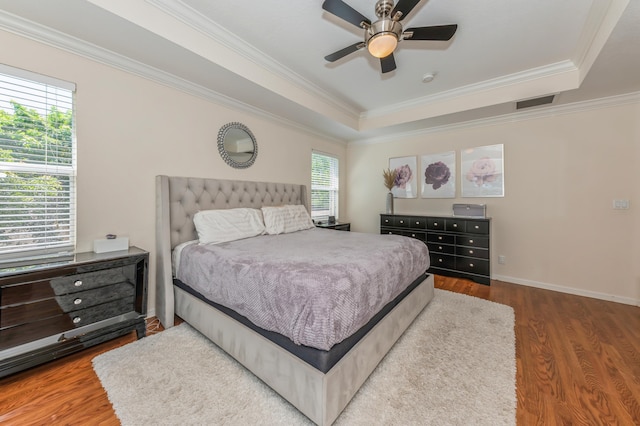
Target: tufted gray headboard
(179,198)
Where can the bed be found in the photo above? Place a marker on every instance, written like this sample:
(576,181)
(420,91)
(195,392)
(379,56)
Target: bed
(319,383)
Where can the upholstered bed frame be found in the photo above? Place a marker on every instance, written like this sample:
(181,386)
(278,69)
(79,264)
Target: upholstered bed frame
(320,396)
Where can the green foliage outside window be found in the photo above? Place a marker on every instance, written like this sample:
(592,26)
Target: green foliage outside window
(34,204)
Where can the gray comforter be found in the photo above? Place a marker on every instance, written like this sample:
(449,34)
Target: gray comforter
(316,287)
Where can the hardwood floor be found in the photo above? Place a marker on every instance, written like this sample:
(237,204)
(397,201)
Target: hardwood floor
(578,363)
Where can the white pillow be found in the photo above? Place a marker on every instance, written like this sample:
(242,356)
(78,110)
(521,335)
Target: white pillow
(219,226)
(285,219)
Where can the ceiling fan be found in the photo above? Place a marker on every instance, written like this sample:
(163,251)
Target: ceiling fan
(382,36)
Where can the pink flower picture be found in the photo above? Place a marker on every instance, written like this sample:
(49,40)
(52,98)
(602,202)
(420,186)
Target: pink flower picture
(482,173)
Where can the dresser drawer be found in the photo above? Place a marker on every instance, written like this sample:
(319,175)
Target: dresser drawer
(23,313)
(472,252)
(97,296)
(435,223)
(386,220)
(26,293)
(18,335)
(418,222)
(401,221)
(422,236)
(89,280)
(100,312)
(31,331)
(477,227)
(388,231)
(433,237)
(441,248)
(442,261)
(472,241)
(473,266)
(455,225)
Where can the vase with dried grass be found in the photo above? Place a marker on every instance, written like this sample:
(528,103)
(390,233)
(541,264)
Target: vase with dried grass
(389,181)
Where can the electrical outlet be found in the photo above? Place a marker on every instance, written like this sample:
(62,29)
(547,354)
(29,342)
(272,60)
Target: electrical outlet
(502,259)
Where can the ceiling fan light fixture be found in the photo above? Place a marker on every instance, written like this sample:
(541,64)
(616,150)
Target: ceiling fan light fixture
(382,37)
(382,45)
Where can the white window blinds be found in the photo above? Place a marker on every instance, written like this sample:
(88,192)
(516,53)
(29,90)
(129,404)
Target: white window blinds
(324,185)
(37,165)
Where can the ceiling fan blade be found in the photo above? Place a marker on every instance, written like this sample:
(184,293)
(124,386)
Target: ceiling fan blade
(388,64)
(344,52)
(344,11)
(404,6)
(436,32)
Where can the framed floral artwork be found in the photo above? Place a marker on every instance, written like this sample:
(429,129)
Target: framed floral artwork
(439,175)
(406,183)
(482,171)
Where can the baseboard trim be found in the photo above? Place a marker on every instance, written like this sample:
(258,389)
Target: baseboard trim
(569,290)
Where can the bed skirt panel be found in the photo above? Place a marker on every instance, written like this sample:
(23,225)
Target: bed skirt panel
(319,396)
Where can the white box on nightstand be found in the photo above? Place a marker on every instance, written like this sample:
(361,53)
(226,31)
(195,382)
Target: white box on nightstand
(105,245)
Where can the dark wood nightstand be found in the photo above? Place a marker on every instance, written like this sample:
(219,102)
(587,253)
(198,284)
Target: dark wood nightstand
(338,226)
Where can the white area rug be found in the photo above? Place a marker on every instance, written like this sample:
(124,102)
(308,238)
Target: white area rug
(455,365)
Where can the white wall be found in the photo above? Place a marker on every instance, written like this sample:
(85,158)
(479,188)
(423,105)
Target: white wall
(130,129)
(555,225)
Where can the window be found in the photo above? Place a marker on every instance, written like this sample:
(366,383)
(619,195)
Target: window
(324,185)
(37,166)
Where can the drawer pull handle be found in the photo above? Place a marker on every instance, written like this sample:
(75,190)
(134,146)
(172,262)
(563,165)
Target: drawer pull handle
(439,238)
(417,223)
(477,227)
(439,260)
(470,251)
(76,320)
(439,247)
(77,301)
(471,265)
(77,283)
(402,221)
(455,225)
(435,223)
(413,235)
(470,241)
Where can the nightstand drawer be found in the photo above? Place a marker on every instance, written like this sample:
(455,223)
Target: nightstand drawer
(473,266)
(463,240)
(472,252)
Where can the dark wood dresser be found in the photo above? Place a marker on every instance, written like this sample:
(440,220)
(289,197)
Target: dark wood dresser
(458,247)
(54,309)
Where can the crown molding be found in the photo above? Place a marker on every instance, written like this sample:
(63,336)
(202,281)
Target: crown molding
(482,87)
(178,10)
(542,112)
(50,37)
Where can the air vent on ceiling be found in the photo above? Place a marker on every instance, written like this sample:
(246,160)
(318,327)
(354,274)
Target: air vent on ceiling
(544,100)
